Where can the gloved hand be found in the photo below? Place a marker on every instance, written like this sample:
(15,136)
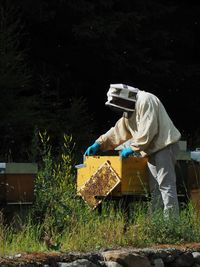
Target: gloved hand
(92,150)
(126,152)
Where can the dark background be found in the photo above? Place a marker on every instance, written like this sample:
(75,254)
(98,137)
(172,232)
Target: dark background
(57,59)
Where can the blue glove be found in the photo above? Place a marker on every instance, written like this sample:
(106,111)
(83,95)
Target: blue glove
(92,150)
(126,152)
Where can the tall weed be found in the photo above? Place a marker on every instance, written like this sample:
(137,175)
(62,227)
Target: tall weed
(55,184)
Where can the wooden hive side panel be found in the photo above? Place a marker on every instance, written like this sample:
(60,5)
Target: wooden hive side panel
(134,176)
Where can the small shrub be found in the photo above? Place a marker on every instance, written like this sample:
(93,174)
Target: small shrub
(55,184)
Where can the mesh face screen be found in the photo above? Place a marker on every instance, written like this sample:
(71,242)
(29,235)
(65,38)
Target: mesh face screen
(132,95)
(123,102)
(117,91)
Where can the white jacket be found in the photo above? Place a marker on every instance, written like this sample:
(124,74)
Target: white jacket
(149,128)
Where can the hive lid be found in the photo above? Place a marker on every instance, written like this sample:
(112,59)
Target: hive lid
(101,183)
(18,168)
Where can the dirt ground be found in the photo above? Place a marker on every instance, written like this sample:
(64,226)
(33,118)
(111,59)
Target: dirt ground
(53,256)
(183,246)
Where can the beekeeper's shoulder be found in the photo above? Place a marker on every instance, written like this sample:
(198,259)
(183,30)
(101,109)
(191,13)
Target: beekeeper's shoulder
(144,96)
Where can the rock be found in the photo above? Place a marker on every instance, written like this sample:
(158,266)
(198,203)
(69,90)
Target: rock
(111,264)
(77,263)
(170,258)
(52,262)
(158,263)
(196,256)
(184,260)
(127,259)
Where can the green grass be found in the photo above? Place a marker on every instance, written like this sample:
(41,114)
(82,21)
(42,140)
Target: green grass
(90,231)
(58,221)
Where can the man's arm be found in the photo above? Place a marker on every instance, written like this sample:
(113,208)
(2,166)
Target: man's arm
(115,136)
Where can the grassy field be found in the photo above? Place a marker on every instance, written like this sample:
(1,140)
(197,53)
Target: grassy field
(58,221)
(87,230)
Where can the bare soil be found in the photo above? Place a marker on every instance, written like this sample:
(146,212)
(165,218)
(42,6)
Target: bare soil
(47,257)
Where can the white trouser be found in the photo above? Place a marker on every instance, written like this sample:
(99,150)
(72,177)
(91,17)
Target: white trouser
(162,180)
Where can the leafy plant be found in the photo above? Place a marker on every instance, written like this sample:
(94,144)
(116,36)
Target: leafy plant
(55,184)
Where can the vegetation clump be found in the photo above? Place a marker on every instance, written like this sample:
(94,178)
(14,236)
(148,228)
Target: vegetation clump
(60,221)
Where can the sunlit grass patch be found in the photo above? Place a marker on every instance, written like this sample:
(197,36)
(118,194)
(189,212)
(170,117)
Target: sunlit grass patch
(60,221)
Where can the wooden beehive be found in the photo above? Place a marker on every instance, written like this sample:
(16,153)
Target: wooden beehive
(195,198)
(193,169)
(131,171)
(17,183)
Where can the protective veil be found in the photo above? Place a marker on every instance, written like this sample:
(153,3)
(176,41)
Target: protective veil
(122,97)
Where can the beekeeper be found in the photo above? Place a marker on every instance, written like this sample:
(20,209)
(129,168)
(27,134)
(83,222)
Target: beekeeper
(151,132)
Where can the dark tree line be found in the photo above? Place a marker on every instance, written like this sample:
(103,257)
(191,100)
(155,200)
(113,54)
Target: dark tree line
(57,59)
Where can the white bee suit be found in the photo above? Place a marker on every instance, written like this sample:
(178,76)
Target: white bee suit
(152,133)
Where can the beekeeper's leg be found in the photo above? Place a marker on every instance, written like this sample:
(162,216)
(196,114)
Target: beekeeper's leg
(165,160)
(156,199)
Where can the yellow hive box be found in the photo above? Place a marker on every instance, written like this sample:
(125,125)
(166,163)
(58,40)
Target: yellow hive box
(132,172)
